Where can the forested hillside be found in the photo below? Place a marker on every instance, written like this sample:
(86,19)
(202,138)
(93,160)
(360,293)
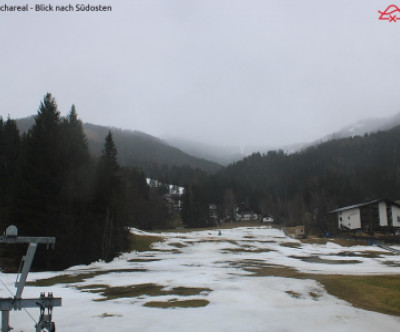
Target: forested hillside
(154,156)
(50,185)
(139,149)
(303,186)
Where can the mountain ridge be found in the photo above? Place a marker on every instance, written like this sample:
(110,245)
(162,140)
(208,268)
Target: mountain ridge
(135,148)
(207,157)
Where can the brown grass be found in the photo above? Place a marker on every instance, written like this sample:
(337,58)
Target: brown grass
(365,254)
(224,225)
(294,245)
(316,259)
(380,293)
(294,294)
(195,303)
(178,245)
(341,242)
(314,240)
(246,250)
(375,293)
(142,242)
(140,290)
(143,260)
(76,278)
(349,242)
(107,315)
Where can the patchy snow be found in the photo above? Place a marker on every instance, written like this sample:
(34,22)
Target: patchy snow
(237,300)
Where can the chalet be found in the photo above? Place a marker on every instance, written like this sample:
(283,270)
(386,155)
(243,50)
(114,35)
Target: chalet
(372,216)
(246,215)
(267,219)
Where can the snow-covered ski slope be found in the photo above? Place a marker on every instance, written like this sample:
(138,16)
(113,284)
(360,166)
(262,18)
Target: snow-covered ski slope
(215,284)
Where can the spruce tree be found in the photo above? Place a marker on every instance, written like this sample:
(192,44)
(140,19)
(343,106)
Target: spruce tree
(41,172)
(53,184)
(9,154)
(74,197)
(109,192)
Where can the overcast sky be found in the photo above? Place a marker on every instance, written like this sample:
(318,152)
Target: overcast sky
(267,72)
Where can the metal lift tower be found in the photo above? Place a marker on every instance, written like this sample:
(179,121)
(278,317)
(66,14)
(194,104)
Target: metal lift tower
(44,303)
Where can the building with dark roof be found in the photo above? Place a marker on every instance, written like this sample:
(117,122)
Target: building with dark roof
(372,216)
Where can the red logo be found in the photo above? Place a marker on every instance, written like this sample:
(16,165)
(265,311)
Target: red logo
(390,14)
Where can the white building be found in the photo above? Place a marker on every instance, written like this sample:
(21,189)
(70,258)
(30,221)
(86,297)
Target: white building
(267,219)
(369,216)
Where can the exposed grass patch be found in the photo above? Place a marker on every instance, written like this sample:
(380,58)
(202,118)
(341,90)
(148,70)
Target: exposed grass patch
(219,240)
(365,254)
(92,288)
(188,291)
(294,294)
(314,295)
(316,259)
(314,240)
(65,279)
(194,303)
(294,245)
(271,270)
(76,278)
(349,242)
(260,268)
(391,263)
(178,245)
(107,315)
(224,225)
(112,293)
(142,242)
(169,251)
(149,289)
(246,250)
(143,260)
(376,293)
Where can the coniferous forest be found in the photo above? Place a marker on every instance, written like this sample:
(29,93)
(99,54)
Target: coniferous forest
(53,185)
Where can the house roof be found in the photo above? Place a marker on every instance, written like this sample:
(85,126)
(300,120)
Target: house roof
(365,204)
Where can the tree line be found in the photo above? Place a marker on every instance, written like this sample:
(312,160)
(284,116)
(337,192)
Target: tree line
(52,186)
(301,188)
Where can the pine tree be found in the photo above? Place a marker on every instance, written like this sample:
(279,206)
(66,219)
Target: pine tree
(74,197)
(9,154)
(53,184)
(195,207)
(108,194)
(41,172)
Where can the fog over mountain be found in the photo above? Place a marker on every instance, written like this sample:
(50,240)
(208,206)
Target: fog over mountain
(183,150)
(366,126)
(135,148)
(226,72)
(225,155)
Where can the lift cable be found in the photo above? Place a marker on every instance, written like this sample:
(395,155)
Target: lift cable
(27,312)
